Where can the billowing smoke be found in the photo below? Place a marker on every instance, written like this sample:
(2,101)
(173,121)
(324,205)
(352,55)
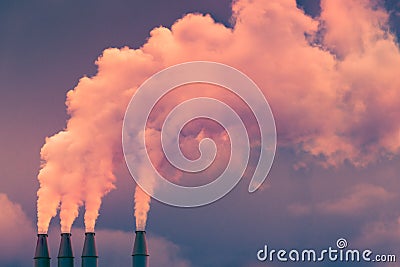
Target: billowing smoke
(332,83)
(78,161)
(142,207)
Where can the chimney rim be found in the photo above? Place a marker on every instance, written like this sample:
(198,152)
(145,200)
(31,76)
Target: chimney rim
(46,235)
(66,233)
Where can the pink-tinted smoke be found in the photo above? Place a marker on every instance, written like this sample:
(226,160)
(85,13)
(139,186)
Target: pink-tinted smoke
(332,83)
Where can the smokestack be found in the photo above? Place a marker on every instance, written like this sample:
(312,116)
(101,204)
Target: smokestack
(89,253)
(65,256)
(42,258)
(140,256)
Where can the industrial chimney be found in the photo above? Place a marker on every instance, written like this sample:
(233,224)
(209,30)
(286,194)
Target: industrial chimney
(89,253)
(65,256)
(42,258)
(140,256)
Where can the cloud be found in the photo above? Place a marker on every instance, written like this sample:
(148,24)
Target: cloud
(166,253)
(361,198)
(332,87)
(359,27)
(358,199)
(381,232)
(16,231)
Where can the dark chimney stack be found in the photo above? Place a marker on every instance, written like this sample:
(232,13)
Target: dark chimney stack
(140,256)
(89,253)
(65,255)
(42,258)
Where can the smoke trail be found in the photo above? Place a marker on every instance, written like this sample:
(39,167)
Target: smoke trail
(78,162)
(142,207)
(342,66)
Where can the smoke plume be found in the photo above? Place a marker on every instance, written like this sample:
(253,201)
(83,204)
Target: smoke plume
(142,206)
(78,162)
(332,83)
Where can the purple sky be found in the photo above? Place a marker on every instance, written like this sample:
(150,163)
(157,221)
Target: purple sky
(46,46)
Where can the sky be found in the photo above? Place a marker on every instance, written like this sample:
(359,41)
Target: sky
(328,69)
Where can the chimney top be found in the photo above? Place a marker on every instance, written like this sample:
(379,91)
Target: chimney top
(42,250)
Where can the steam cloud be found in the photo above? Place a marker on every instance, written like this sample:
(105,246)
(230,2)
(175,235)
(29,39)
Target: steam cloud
(332,83)
(142,206)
